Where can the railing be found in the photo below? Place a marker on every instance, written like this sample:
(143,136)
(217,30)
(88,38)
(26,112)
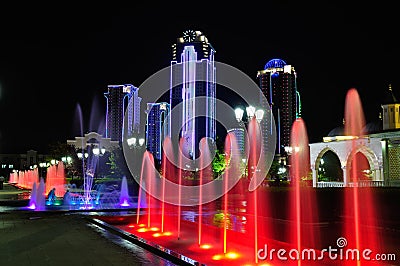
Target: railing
(367,183)
(364,183)
(323,184)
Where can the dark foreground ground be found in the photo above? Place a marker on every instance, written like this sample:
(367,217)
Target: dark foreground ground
(69,238)
(28,238)
(61,238)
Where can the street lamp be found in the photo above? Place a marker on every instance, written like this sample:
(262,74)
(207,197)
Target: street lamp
(141,141)
(96,151)
(259,115)
(289,150)
(239,114)
(134,142)
(251,111)
(66,159)
(42,167)
(131,141)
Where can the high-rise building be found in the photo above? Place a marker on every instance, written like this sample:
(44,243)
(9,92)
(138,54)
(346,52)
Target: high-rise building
(278,84)
(118,99)
(193,76)
(239,148)
(133,112)
(157,114)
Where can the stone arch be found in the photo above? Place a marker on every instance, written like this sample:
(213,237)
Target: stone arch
(93,135)
(86,140)
(321,154)
(369,154)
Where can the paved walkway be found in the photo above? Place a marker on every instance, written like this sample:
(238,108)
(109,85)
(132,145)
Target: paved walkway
(60,238)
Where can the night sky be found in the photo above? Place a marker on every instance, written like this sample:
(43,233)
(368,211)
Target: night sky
(56,58)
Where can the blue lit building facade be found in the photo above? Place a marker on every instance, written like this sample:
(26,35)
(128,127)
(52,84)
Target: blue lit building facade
(239,148)
(156,122)
(119,99)
(193,75)
(133,112)
(278,84)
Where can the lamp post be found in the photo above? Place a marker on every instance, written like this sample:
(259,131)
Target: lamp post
(254,117)
(95,152)
(42,167)
(66,159)
(251,113)
(135,142)
(239,114)
(83,155)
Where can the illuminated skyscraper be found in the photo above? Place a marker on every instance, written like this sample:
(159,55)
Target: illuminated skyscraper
(155,125)
(118,97)
(133,113)
(193,75)
(278,84)
(240,141)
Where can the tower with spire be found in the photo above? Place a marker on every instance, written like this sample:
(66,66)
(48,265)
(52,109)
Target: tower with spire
(193,90)
(390,111)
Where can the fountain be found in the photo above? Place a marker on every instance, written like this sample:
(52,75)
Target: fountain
(60,195)
(55,178)
(40,199)
(303,232)
(180,172)
(241,226)
(234,228)
(146,173)
(67,199)
(204,173)
(174,224)
(25,179)
(360,213)
(92,195)
(124,199)
(168,174)
(13,178)
(32,200)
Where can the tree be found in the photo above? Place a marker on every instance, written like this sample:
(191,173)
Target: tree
(218,163)
(117,163)
(278,173)
(59,150)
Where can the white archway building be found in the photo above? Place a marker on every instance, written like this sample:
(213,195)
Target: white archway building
(382,151)
(100,142)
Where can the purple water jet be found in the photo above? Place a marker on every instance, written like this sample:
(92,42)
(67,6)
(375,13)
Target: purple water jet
(32,200)
(124,199)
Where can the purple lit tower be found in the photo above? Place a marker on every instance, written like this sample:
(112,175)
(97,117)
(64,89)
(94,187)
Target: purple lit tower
(192,76)
(156,123)
(122,100)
